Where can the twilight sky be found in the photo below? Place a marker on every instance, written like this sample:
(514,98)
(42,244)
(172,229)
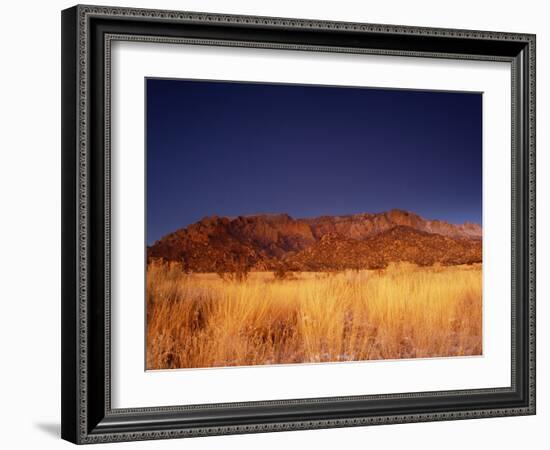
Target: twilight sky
(229,149)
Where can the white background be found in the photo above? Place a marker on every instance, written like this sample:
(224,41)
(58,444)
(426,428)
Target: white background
(30,225)
(133,387)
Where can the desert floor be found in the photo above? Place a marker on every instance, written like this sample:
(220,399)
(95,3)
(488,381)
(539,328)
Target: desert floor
(404,311)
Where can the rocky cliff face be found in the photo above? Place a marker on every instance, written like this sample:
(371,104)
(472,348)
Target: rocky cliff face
(362,226)
(265,242)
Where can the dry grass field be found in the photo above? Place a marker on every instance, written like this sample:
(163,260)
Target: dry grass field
(405,311)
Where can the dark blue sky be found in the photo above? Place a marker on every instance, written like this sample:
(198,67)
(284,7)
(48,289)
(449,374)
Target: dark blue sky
(229,149)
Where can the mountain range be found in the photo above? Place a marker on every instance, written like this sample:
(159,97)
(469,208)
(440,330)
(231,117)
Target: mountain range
(358,241)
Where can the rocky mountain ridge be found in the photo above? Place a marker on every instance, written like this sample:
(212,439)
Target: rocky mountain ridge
(269,241)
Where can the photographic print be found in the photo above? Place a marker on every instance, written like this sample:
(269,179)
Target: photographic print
(294,224)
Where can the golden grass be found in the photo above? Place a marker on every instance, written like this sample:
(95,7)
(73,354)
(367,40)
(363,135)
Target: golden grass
(200,320)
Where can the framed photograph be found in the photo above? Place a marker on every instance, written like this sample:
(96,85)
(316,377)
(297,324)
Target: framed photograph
(276,224)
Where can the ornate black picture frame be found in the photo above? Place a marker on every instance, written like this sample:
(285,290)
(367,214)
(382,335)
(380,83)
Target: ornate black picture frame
(87,34)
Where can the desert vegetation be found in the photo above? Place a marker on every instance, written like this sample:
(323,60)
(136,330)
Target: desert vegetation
(278,317)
